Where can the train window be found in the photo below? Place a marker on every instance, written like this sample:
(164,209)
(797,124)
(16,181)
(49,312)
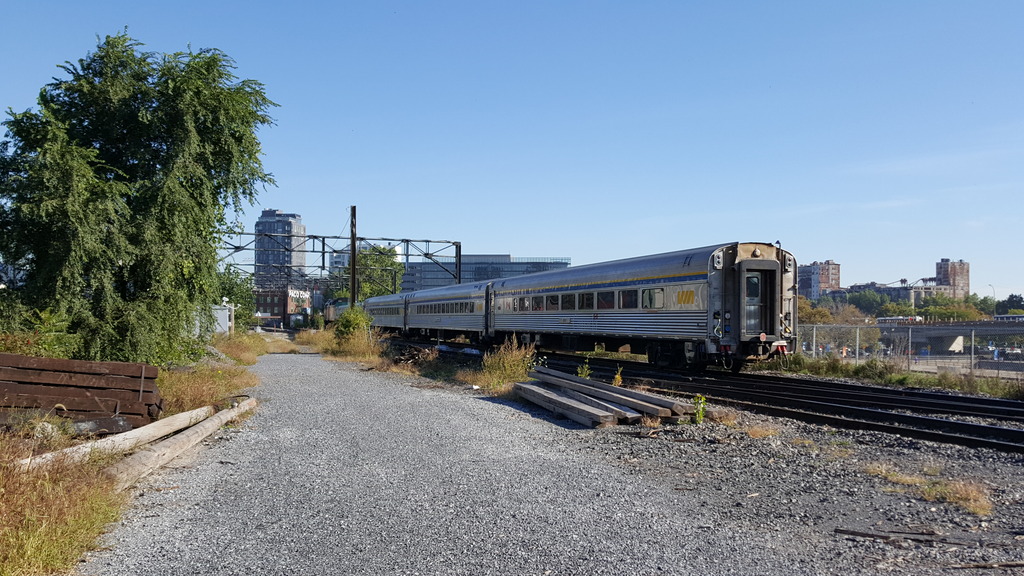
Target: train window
(653,298)
(524,304)
(552,302)
(568,301)
(755,304)
(627,299)
(586,301)
(538,303)
(605,300)
(472,307)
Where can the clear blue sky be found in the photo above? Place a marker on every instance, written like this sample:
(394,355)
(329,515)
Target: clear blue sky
(884,135)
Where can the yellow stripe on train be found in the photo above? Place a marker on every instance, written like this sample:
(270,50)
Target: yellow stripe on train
(685,297)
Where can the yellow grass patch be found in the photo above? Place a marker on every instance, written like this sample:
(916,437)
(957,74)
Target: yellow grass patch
(968,495)
(203,386)
(971,496)
(760,431)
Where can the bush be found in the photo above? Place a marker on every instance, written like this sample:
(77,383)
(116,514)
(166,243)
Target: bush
(352,320)
(361,345)
(508,364)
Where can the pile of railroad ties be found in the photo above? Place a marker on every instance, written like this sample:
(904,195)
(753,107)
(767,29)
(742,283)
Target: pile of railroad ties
(96,397)
(597,404)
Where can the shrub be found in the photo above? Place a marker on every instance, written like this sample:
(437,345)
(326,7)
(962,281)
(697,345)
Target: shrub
(350,321)
(366,344)
(506,365)
(876,370)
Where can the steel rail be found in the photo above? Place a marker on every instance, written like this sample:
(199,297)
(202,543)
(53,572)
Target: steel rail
(891,399)
(904,429)
(848,405)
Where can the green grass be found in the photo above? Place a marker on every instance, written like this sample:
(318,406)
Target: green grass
(50,515)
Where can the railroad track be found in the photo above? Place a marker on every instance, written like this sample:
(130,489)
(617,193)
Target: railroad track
(924,415)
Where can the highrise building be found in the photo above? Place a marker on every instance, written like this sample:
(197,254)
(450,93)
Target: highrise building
(956,275)
(817,279)
(280,258)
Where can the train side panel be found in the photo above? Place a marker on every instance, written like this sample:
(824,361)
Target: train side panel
(451,310)
(717,303)
(387,312)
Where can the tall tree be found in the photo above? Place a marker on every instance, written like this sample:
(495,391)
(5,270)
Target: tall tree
(378,272)
(113,193)
(1013,304)
(240,292)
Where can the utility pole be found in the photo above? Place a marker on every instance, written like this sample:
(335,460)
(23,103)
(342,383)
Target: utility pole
(352,264)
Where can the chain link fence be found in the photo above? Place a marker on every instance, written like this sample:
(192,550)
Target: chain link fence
(985,349)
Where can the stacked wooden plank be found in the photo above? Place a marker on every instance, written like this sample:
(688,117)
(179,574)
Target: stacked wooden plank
(80,390)
(593,403)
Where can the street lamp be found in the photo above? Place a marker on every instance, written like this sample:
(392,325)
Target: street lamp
(994,301)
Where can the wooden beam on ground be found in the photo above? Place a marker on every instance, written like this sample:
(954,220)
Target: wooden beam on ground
(621,412)
(572,409)
(647,397)
(131,469)
(628,401)
(123,442)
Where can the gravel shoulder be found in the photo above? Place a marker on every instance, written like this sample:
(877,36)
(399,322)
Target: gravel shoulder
(347,471)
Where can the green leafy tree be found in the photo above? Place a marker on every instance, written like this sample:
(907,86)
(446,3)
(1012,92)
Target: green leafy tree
(378,272)
(986,305)
(900,308)
(113,194)
(1013,304)
(868,301)
(809,314)
(239,289)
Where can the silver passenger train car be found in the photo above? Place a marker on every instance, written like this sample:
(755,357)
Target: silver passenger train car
(724,304)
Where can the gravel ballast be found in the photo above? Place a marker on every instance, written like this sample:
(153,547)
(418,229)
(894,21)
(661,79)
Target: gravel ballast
(347,471)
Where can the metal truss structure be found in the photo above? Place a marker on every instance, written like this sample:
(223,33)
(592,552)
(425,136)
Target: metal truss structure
(239,250)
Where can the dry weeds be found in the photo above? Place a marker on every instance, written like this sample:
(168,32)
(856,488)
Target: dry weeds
(974,497)
(762,431)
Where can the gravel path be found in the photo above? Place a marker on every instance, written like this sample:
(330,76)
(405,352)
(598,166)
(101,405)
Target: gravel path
(345,471)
